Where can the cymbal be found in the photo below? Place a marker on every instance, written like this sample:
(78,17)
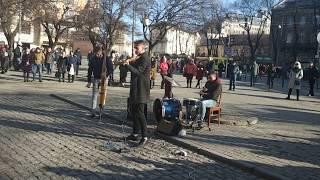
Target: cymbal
(172,81)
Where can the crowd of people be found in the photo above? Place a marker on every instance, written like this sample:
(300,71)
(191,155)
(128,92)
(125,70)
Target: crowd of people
(38,60)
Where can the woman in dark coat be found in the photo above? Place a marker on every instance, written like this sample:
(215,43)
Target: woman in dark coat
(72,62)
(26,64)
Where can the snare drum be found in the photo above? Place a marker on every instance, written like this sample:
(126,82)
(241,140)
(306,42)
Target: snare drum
(168,109)
(190,103)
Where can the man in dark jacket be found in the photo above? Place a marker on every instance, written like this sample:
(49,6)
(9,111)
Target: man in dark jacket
(139,91)
(313,75)
(94,77)
(79,59)
(234,70)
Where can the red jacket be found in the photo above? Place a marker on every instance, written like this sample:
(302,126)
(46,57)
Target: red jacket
(190,69)
(163,68)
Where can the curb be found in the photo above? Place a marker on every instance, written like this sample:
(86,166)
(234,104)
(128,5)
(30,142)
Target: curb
(110,116)
(258,171)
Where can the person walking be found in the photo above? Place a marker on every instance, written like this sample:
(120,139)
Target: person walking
(271,73)
(71,68)
(200,74)
(295,77)
(78,55)
(50,56)
(190,70)
(123,73)
(254,73)
(39,59)
(312,75)
(139,91)
(234,71)
(26,64)
(163,70)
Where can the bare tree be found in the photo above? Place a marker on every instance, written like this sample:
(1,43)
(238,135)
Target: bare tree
(113,12)
(56,17)
(9,18)
(165,15)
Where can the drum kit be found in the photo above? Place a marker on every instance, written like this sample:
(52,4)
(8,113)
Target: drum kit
(170,109)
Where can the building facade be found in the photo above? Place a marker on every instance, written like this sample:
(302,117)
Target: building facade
(177,41)
(295,24)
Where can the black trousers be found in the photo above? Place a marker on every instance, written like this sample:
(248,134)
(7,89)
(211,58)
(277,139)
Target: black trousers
(311,86)
(189,80)
(139,119)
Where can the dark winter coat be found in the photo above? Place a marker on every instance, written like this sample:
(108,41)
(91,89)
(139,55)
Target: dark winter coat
(62,64)
(95,67)
(140,83)
(312,73)
(72,61)
(79,57)
(26,63)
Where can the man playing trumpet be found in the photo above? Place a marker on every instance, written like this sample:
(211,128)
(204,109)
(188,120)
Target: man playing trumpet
(139,91)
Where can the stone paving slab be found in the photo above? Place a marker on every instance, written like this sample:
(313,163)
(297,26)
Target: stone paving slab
(285,141)
(44,138)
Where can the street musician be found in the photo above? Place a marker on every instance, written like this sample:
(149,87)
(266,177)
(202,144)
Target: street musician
(139,91)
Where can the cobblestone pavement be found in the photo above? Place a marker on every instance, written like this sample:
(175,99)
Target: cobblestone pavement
(285,141)
(45,138)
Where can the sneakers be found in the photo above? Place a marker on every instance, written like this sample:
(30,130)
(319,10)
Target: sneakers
(143,141)
(132,137)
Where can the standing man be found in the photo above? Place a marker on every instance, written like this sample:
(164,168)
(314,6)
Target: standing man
(50,56)
(79,59)
(254,73)
(313,75)
(95,70)
(139,91)
(234,70)
(38,62)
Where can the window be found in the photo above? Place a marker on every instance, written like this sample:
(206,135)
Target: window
(25,28)
(290,20)
(302,20)
(289,38)
(302,37)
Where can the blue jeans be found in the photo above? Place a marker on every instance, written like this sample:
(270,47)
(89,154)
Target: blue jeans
(204,105)
(95,93)
(37,68)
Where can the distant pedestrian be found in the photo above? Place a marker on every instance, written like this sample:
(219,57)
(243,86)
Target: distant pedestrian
(123,72)
(71,68)
(295,77)
(50,56)
(78,55)
(39,59)
(271,74)
(234,71)
(312,75)
(4,60)
(17,58)
(61,65)
(200,74)
(153,72)
(26,64)
(163,70)
(168,84)
(189,71)
(254,73)
(220,69)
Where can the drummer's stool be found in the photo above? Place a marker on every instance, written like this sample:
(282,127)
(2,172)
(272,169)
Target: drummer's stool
(215,111)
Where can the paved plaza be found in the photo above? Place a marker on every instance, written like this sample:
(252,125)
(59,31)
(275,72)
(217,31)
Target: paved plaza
(42,137)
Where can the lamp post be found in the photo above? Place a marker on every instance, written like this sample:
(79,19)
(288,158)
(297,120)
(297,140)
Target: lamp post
(146,24)
(278,43)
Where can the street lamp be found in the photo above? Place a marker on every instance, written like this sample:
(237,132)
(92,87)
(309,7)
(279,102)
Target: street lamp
(278,46)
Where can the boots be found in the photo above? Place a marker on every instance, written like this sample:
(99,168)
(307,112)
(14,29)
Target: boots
(69,77)
(289,93)
(298,93)
(72,78)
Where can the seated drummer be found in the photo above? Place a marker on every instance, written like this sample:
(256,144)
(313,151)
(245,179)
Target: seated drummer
(210,94)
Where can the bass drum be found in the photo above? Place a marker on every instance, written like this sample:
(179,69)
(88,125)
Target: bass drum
(168,109)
